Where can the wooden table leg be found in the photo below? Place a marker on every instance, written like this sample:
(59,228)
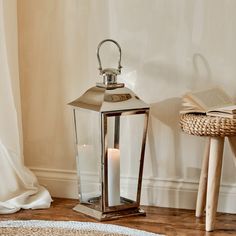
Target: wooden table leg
(214,176)
(232,141)
(202,188)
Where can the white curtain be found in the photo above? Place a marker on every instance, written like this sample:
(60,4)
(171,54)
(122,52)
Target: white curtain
(18,186)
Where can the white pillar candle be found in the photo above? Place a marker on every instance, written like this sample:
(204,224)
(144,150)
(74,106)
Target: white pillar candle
(113,177)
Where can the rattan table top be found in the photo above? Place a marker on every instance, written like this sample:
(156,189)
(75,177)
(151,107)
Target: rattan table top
(203,125)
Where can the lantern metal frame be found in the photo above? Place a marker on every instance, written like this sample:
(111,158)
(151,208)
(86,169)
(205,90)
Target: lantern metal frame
(128,207)
(111,99)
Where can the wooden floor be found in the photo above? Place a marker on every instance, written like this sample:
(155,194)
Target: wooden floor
(159,220)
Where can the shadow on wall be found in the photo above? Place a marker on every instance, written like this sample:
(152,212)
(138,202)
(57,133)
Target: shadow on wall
(167,112)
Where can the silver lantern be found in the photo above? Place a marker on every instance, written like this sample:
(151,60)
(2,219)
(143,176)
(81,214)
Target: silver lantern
(110,123)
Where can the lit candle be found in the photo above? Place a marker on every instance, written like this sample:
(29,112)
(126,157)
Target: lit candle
(86,157)
(113,177)
(83,151)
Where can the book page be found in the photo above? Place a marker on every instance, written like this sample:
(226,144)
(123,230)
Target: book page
(211,98)
(228,109)
(221,114)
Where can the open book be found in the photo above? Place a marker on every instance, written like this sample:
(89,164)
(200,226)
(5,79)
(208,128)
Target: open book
(213,102)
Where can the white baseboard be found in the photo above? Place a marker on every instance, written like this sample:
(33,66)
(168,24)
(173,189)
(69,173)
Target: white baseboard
(155,191)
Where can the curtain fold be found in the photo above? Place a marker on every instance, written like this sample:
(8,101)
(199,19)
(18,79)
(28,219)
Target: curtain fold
(18,185)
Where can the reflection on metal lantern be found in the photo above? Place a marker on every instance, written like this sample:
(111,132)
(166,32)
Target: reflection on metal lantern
(110,124)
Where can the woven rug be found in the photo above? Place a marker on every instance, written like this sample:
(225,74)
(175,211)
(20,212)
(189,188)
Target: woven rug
(68,228)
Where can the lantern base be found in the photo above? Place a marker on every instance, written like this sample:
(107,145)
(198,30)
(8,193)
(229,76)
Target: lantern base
(101,216)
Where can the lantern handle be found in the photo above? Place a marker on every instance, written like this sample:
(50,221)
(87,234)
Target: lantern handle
(98,56)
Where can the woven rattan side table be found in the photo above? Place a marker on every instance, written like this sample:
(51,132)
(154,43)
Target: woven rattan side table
(215,129)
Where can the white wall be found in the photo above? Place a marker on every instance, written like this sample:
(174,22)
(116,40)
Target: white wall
(169,47)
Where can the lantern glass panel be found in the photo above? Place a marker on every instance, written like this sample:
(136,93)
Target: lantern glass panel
(124,146)
(88,140)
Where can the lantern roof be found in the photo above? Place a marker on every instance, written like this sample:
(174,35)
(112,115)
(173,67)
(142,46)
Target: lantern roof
(103,99)
(110,95)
